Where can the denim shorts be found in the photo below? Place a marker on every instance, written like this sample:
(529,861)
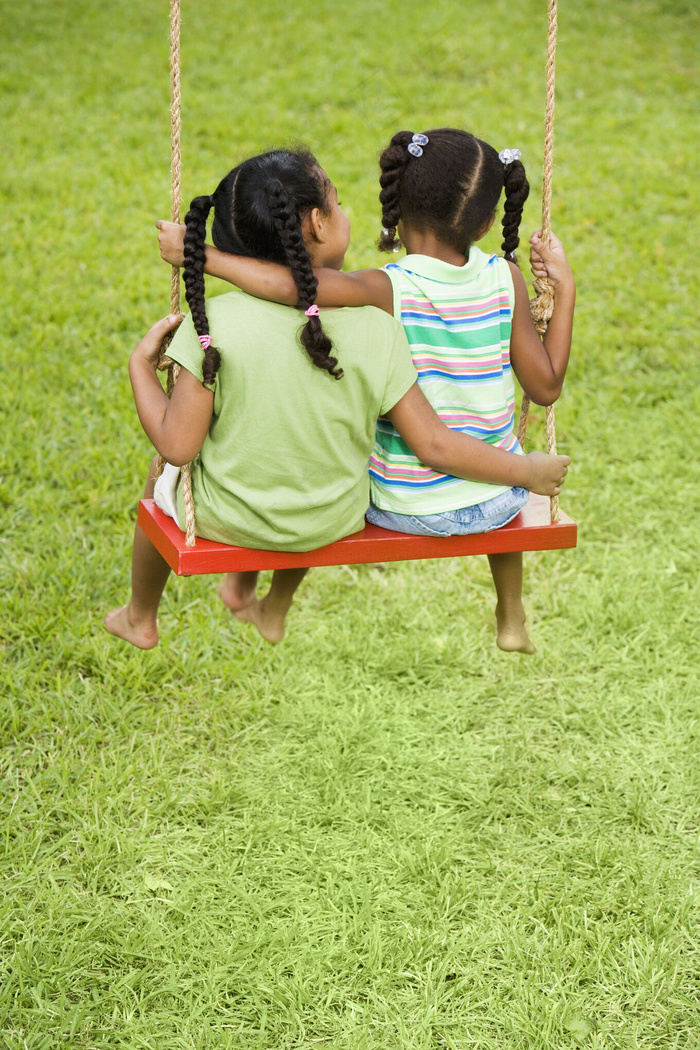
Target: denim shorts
(482,517)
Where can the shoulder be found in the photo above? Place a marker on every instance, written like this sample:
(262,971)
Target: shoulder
(235,315)
(234,301)
(367,318)
(514,273)
(505,271)
(496,263)
(372,335)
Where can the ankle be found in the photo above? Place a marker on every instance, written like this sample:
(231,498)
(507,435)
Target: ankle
(140,617)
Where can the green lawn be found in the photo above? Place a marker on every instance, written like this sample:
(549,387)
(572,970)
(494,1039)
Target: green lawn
(384,834)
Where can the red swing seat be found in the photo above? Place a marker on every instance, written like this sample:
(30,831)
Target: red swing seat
(531,530)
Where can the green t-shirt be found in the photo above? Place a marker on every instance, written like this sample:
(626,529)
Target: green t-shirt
(284,464)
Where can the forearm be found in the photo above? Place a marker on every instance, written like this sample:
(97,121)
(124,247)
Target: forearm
(451,451)
(472,459)
(264,280)
(540,363)
(557,339)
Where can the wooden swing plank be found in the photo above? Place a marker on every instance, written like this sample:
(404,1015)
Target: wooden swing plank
(531,530)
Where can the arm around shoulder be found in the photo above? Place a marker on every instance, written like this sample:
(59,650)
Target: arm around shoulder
(274,282)
(357,288)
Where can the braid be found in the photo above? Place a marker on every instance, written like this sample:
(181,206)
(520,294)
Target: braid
(517,191)
(195,234)
(286,221)
(393,163)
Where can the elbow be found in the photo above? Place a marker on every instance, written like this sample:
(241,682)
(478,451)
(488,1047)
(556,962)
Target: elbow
(177,453)
(178,456)
(546,395)
(177,460)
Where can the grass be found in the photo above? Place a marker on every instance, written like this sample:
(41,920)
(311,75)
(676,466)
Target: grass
(384,833)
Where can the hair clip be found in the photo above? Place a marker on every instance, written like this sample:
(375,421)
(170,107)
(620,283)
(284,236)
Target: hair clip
(507,156)
(205,340)
(313,311)
(415,146)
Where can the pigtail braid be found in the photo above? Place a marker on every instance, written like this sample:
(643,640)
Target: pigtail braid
(517,191)
(393,163)
(286,221)
(195,236)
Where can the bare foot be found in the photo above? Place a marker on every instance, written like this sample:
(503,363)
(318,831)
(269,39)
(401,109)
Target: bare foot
(269,623)
(238,590)
(511,633)
(142,634)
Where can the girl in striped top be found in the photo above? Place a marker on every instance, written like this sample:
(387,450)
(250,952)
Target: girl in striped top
(467,319)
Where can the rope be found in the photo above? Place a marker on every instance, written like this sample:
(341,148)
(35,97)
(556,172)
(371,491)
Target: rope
(175,151)
(176,200)
(542,305)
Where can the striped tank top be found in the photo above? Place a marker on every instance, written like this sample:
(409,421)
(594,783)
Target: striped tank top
(458,323)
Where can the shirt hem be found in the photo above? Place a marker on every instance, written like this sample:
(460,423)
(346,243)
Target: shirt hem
(396,507)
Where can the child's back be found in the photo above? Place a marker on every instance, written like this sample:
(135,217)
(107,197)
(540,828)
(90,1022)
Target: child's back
(458,322)
(284,463)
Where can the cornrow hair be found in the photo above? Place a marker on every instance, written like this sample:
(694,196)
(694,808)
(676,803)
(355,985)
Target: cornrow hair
(195,235)
(392,162)
(517,191)
(451,189)
(288,225)
(258,211)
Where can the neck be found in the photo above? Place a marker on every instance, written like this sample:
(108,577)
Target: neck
(419,242)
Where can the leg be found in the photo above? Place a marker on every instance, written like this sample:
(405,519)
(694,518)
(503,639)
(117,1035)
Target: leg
(269,614)
(136,622)
(507,572)
(238,590)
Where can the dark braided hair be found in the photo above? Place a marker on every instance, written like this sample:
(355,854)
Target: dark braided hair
(394,161)
(517,191)
(451,189)
(258,211)
(195,235)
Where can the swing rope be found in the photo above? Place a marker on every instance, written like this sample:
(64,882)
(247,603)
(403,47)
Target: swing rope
(176,198)
(542,305)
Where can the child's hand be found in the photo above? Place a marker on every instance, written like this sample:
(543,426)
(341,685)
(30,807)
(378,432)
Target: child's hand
(550,261)
(547,473)
(148,349)
(171,238)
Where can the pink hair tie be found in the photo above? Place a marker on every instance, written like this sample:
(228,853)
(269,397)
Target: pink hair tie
(313,311)
(205,340)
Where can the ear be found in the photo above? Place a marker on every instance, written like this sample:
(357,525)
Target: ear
(314,226)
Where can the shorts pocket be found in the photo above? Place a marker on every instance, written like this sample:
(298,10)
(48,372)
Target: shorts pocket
(420,526)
